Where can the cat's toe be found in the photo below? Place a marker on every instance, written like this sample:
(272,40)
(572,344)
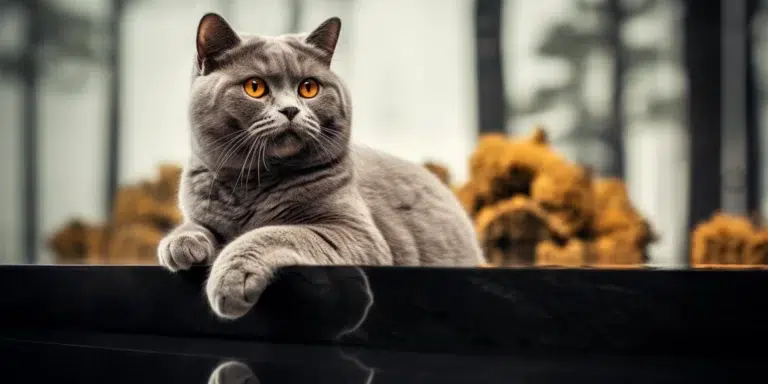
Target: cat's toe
(181,251)
(234,288)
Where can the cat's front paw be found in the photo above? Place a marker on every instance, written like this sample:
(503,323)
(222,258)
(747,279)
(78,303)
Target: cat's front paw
(237,280)
(184,249)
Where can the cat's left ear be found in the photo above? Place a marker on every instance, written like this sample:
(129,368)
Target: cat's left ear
(325,37)
(214,37)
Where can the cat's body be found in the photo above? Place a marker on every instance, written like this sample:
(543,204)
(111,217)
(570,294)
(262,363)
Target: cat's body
(408,216)
(273,180)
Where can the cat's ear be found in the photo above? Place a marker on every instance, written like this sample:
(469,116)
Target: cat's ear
(214,36)
(325,37)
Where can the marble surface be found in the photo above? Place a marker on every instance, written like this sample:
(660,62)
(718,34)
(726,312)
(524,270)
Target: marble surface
(468,311)
(85,358)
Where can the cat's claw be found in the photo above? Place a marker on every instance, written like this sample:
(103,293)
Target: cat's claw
(182,250)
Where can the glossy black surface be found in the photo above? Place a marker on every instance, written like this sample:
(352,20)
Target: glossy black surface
(99,358)
(478,311)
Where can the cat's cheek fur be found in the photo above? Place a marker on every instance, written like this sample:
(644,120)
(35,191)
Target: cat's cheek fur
(326,106)
(242,107)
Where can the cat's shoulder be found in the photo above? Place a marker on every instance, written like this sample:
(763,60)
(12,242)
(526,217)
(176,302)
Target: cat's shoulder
(375,166)
(367,159)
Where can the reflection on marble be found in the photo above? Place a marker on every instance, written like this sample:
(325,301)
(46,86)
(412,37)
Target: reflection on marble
(236,372)
(146,360)
(233,372)
(324,304)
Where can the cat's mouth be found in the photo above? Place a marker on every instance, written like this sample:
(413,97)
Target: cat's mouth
(285,143)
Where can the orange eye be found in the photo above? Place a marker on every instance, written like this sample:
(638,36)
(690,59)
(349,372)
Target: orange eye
(255,87)
(309,88)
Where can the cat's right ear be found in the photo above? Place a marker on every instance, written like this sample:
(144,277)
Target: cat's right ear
(214,36)
(325,37)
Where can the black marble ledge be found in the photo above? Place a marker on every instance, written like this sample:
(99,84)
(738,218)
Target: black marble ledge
(480,311)
(91,358)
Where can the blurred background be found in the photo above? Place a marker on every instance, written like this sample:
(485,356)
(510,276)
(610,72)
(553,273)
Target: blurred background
(668,95)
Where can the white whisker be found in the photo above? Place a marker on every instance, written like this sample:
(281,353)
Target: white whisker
(216,171)
(260,123)
(263,128)
(231,150)
(260,153)
(322,147)
(229,135)
(311,126)
(255,150)
(238,135)
(242,167)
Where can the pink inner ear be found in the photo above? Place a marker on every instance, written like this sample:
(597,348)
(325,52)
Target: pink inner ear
(213,37)
(326,35)
(202,33)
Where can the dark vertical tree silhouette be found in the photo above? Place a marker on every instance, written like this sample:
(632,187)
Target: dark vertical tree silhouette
(573,45)
(491,101)
(635,58)
(115,100)
(753,159)
(30,67)
(703,50)
(615,130)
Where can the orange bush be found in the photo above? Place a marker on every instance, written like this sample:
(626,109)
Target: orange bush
(727,240)
(573,253)
(757,248)
(565,193)
(510,230)
(440,171)
(533,206)
(141,215)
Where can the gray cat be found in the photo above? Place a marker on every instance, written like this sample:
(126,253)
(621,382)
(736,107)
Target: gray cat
(274,181)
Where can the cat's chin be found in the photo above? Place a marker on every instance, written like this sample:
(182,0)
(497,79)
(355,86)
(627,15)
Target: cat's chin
(286,144)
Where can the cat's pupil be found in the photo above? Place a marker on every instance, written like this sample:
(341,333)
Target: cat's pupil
(306,86)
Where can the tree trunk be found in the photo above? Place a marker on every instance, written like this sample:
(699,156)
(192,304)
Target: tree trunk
(29,183)
(753,158)
(615,132)
(703,47)
(491,103)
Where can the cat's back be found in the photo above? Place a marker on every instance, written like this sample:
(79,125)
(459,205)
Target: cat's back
(416,213)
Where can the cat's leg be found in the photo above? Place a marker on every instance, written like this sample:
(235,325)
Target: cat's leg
(245,267)
(186,245)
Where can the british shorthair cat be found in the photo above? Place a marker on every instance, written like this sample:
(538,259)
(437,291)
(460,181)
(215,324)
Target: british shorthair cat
(274,181)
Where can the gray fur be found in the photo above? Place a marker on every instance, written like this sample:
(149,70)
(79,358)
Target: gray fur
(256,198)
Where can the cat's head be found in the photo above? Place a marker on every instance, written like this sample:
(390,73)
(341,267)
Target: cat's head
(267,101)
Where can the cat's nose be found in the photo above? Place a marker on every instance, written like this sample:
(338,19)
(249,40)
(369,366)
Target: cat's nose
(289,112)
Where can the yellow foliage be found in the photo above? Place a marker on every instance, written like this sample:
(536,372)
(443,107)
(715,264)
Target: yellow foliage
(532,206)
(141,215)
(727,240)
(510,230)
